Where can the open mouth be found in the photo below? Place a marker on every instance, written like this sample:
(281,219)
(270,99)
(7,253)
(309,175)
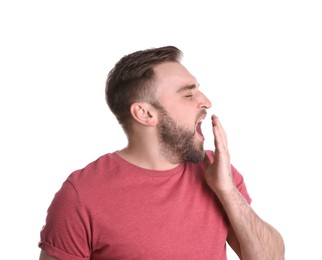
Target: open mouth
(198,124)
(198,129)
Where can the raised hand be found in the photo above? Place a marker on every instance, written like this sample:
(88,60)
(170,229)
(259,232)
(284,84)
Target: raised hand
(218,173)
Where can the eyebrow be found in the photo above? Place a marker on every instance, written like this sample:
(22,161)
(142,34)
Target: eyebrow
(189,87)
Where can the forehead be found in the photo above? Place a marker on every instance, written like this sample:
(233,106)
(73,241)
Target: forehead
(173,76)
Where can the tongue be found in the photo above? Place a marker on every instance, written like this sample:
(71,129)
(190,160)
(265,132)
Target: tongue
(198,129)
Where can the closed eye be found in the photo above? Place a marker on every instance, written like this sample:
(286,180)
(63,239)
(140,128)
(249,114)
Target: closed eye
(188,91)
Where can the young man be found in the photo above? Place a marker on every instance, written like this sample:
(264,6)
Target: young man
(162,196)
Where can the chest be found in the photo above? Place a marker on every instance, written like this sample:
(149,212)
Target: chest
(158,219)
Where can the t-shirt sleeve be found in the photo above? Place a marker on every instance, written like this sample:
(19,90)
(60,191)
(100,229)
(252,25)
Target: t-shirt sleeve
(240,184)
(66,234)
(238,178)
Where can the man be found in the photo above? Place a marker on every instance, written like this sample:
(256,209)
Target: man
(162,196)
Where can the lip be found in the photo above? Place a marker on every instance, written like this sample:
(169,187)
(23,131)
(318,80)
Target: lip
(201,118)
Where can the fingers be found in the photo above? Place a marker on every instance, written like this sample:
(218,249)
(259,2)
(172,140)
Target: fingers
(219,134)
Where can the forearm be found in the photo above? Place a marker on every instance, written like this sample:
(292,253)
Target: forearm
(45,256)
(257,239)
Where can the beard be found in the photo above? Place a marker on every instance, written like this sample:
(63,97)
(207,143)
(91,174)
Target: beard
(177,142)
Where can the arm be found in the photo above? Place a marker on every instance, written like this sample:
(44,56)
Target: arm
(45,256)
(256,238)
(233,242)
(64,235)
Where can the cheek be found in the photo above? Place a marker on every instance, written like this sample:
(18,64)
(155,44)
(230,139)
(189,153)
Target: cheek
(181,116)
(186,121)
(182,113)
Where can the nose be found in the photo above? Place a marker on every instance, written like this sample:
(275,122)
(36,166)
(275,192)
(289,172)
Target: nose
(204,101)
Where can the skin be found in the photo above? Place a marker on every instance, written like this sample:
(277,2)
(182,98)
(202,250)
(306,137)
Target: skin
(175,85)
(45,256)
(170,132)
(178,93)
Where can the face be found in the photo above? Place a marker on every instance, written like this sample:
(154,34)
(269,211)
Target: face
(178,141)
(181,111)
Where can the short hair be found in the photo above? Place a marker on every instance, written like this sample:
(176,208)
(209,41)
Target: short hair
(131,80)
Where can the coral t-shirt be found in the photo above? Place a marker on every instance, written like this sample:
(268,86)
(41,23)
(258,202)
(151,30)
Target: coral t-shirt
(112,209)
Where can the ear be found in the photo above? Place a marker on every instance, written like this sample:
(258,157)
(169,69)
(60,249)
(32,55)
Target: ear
(144,113)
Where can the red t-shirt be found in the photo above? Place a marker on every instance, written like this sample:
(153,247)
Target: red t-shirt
(113,209)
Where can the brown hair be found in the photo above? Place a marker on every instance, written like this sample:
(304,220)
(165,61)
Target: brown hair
(131,78)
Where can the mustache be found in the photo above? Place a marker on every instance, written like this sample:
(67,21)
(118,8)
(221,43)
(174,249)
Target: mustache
(202,114)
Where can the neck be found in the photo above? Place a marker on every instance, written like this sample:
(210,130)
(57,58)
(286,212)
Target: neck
(148,157)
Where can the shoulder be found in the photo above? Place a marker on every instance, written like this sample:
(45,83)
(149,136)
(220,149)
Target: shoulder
(95,173)
(94,169)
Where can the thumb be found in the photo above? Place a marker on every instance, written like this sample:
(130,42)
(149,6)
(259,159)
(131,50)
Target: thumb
(206,161)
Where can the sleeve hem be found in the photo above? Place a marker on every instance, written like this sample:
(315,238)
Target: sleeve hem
(57,253)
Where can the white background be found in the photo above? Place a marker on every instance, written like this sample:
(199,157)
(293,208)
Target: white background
(260,63)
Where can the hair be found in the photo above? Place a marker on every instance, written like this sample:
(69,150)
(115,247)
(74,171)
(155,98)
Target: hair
(131,80)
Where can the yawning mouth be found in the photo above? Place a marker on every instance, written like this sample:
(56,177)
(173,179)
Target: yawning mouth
(198,128)
(199,122)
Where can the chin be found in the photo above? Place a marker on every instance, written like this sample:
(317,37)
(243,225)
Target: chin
(194,156)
